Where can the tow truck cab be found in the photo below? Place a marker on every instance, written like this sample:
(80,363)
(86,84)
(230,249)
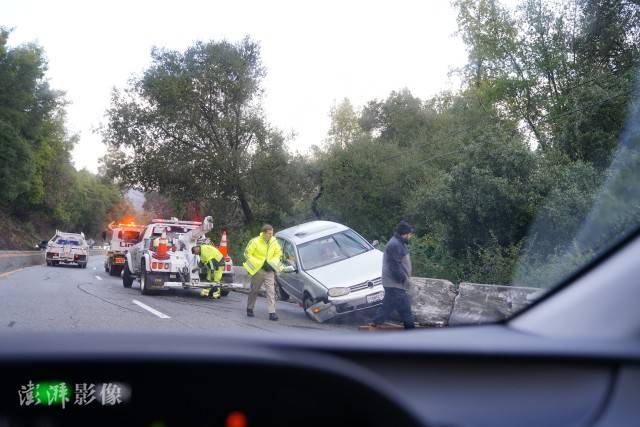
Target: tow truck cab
(121,237)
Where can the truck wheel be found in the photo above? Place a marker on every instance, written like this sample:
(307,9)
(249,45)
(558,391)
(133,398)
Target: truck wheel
(106,268)
(127,279)
(115,271)
(224,292)
(48,263)
(83,265)
(144,289)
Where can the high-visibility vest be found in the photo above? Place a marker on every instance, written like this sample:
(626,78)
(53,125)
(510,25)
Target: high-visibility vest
(208,253)
(258,252)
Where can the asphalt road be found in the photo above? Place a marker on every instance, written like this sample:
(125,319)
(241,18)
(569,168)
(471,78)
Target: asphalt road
(67,298)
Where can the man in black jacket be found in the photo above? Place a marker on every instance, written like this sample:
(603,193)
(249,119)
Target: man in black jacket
(396,277)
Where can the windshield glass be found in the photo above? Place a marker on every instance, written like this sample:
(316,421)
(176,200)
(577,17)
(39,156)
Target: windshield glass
(330,249)
(320,252)
(474,155)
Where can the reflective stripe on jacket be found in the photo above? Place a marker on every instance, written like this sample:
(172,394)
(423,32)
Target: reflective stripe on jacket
(258,252)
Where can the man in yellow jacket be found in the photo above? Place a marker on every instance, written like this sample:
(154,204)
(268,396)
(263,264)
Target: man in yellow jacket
(213,261)
(263,256)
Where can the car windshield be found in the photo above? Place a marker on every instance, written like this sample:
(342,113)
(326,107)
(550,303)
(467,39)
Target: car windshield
(331,249)
(475,153)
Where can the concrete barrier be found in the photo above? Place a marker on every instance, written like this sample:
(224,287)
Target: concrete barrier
(241,276)
(482,303)
(13,260)
(432,300)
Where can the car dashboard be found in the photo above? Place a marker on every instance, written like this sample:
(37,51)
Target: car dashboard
(469,376)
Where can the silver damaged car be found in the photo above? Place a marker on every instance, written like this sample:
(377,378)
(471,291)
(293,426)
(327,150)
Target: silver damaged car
(336,271)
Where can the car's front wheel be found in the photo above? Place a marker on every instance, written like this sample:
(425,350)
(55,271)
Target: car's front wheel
(307,302)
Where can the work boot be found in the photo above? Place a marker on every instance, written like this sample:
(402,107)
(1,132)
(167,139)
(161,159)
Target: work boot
(250,312)
(273,316)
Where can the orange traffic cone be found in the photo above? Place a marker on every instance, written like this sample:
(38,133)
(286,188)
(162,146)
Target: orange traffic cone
(223,245)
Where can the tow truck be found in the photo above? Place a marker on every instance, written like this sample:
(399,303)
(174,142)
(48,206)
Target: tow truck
(121,236)
(67,248)
(163,259)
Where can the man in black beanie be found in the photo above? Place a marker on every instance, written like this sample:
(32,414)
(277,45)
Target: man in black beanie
(396,277)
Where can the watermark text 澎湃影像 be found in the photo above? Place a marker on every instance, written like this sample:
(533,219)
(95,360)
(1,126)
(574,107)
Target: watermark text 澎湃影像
(60,393)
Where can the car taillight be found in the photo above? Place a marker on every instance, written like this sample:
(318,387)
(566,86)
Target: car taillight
(154,265)
(227,268)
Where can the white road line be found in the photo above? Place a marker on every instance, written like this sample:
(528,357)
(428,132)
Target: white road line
(151,309)
(98,277)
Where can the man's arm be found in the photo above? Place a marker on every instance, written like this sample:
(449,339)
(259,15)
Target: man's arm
(394,261)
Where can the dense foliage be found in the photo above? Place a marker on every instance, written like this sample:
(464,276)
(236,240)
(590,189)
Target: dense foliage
(498,177)
(38,179)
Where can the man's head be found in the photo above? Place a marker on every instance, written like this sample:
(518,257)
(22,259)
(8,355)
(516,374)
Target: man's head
(195,250)
(404,230)
(267,232)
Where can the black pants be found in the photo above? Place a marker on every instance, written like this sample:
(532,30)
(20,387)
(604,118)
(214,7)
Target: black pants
(395,300)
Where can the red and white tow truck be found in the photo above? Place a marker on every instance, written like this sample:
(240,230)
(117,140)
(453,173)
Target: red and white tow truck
(162,258)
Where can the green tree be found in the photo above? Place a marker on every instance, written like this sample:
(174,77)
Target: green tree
(192,125)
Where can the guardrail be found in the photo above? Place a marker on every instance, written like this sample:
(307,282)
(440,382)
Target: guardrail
(13,260)
(438,302)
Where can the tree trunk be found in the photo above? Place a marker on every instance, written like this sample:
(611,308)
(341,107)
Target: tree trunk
(246,209)
(314,203)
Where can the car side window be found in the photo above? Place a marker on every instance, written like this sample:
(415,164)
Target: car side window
(288,253)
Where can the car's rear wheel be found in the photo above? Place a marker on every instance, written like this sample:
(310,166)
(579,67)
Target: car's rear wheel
(281,294)
(48,263)
(127,278)
(106,268)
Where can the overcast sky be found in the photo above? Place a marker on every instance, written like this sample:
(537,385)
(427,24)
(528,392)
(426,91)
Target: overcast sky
(316,53)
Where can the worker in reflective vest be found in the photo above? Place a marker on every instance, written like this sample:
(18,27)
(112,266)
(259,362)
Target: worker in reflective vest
(263,256)
(213,261)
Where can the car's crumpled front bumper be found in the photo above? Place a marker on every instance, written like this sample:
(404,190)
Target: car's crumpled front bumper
(323,311)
